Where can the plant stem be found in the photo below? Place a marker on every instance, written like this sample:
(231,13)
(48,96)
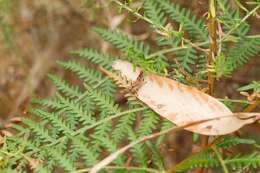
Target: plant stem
(164,51)
(122,168)
(251,107)
(253,36)
(212,27)
(236,101)
(222,162)
(82,130)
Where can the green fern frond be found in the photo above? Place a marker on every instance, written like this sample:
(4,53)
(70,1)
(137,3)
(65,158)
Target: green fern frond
(28,144)
(112,147)
(95,57)
(255,86)
(195,27)
(148,123)
(243,50)
(139,152)
(157,158)
(57,105)
(67,89)
(187,57)
(56,121)
(86,151)
(123,42)
(168,41)
(105,102)
(108,108)
(50,103)
(126,122)
(230,17)
(73,154)
(39,130)
(231,141)
(136,52)
(221,68)
(200,160)
(63,159)
(89,76)
(122,126)
(74,109)
(208,160)
(238,162)
(154,13)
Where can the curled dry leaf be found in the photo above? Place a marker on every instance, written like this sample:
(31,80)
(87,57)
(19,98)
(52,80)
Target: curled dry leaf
(182,104)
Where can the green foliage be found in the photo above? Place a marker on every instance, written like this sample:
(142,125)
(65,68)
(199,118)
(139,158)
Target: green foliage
(7,32)
(231,141)
(237,56)
(83,123)
(255,86)
(65,88)
(11,154)
(6,26)
(135,51)
(220,67)
(208,159)
(187,57)
(195,27)
(124,43)
(95,57)
(155,13)
(88,75)
(242,51)
(229,17)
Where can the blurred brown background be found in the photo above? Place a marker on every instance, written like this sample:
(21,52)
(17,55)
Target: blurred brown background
(36,33)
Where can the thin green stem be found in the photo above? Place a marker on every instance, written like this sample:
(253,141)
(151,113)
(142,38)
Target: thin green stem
(241,21)
(235,101)
(253,36)
(123,168)
(82,130)
(164,51)
(241,6)
(222,162)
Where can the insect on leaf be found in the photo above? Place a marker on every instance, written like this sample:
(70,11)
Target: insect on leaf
(182,104)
